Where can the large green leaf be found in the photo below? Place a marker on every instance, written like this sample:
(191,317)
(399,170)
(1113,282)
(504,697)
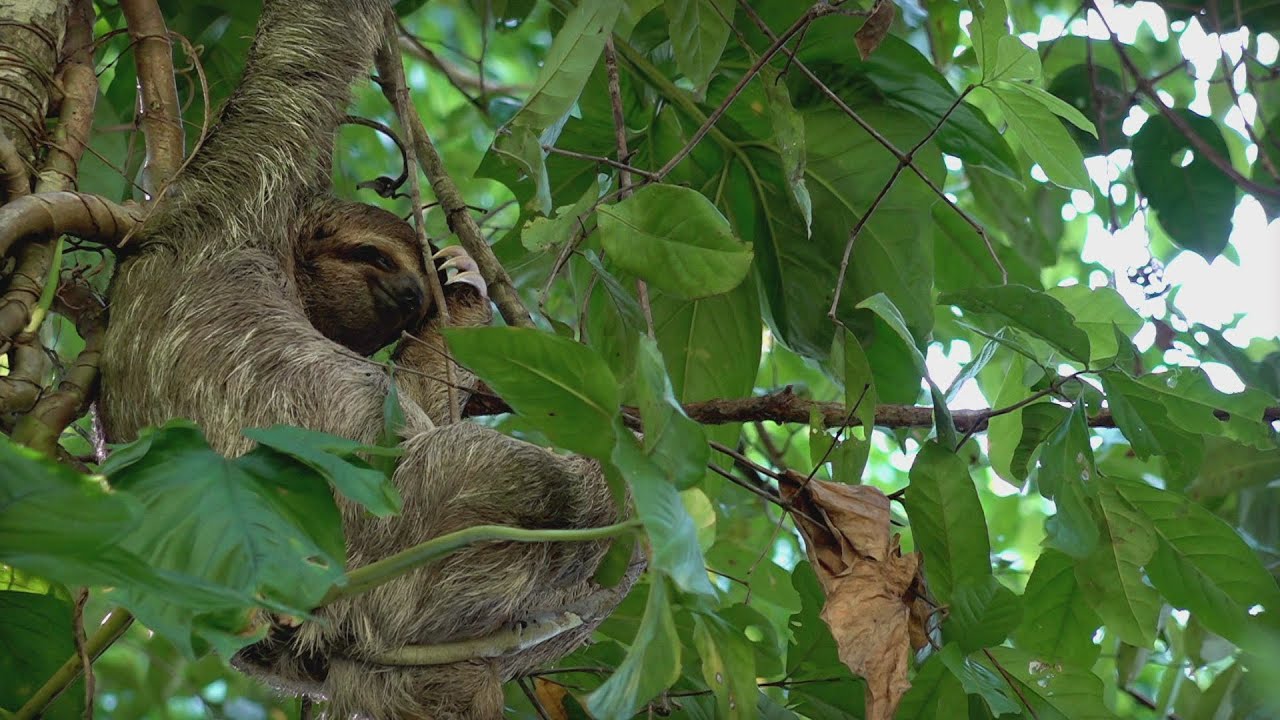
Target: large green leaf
(1190,404)
(265,528)
(1057,623)
(947,521)
(562,388)
(935,692)
(1202,564)
(983,613)
(1194,202)
(673,441)
(1230,466)
(1111,576)
(676,240)
(1053,690)
(338,461)
(1031,310)
(652,664)
(1097,91)
(568,64)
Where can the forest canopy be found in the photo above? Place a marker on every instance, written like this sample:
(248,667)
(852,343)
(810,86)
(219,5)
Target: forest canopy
(950,331)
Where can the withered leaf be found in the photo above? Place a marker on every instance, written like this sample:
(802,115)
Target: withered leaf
(873,31)
(867,581)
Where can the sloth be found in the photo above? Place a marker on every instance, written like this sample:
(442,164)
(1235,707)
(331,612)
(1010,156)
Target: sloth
(219,316)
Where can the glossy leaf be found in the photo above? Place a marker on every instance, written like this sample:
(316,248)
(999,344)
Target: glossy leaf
(1111,576)
(1042,136)
(728,667)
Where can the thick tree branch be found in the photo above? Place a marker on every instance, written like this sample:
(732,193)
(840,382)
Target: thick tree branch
(785,406)
(158,106)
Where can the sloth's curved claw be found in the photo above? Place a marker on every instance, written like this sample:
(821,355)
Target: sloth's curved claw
(472,278)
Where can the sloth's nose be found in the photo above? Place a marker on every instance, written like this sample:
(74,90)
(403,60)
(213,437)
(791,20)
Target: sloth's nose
(410,294)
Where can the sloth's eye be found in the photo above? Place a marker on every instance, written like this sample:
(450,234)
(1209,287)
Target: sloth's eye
(373,256)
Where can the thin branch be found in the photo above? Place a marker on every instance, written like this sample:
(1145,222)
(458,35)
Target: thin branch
(784,406)
(1201,146)
(158,107)
(391,69)
(501,289)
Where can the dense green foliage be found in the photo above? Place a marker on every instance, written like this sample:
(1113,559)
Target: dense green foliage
(917,227)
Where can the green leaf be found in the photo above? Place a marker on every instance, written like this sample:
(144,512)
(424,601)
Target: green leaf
(699,33)
(543,233)
(788,133)
(947,521)
(1111,577)
(1057,623)
(935,692)
(674,442)
(673,537)
(1145,422)
(1193,202)
(1052,103)
(979,681)
(887,312)
(1054,691)
(520,148)
(1068,477)
(36,635)
(265,529)
(1190,403)
(562,388)
(1201,564)
(676,240)
(1097,92)
(990,24)
(1042,136)
(1014,61)
(983,613)
(338,461)
(569,61)
(728,666)
(1031,310)
(1099,312)
(652,663)
(1229,467)
(392,428)
(1039,421)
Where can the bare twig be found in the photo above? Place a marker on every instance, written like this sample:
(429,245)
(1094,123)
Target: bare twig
(158,107)
(501,288)
(1201,146)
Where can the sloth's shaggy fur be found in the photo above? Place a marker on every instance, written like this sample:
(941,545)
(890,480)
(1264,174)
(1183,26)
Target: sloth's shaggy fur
(208,323)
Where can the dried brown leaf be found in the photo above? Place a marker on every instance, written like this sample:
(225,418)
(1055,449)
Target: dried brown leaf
(873,31)
(872,590)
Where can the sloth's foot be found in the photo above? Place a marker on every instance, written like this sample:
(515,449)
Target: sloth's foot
(465,270)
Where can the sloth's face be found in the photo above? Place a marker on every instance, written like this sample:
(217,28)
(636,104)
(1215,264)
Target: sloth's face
(363,279)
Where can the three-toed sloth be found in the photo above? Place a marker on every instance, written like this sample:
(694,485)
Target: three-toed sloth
(249,301)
